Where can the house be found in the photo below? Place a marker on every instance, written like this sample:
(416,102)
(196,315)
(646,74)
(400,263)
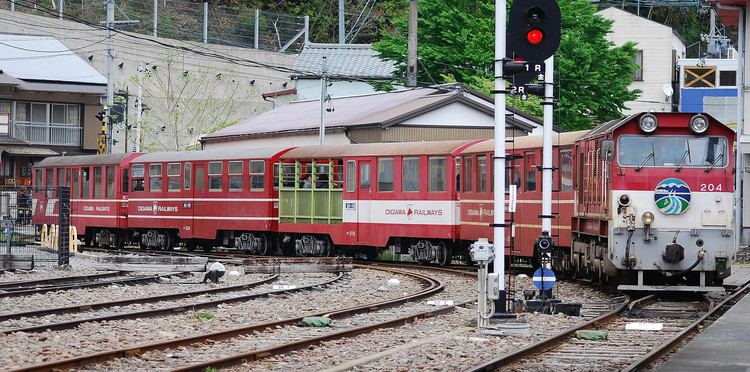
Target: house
(709,85)
(48,101)
(419,114)
(659,48)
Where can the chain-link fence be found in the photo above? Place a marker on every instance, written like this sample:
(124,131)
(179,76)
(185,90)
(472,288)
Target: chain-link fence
(182,20)
(31,236)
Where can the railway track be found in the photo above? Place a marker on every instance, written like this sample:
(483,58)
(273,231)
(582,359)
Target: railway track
(622,350)
(28,284)
(89,281)
(430,286)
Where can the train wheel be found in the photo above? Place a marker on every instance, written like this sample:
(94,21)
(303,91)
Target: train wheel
(118,240)
(190,245)
(444,256)
(263,245)
(168,242)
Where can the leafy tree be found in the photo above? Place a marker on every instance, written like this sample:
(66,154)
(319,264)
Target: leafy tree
(456,42)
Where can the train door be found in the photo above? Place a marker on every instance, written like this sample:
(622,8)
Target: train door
(199,191)
(123,204)
(364,199)
(189,202)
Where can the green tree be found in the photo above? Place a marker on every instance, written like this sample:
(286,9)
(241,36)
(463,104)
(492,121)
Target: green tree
(456,43)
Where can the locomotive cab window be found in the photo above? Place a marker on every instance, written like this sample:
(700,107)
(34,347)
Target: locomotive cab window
(154,177)
(235,175)
(257,174)
(410,174)
(173,177)
(385,174)
(436,173)
(137,172)
(214,176)
(672,151)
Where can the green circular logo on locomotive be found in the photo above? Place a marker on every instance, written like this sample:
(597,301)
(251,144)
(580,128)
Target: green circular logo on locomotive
(672,196)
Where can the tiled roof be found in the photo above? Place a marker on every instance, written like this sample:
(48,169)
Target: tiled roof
(343,60)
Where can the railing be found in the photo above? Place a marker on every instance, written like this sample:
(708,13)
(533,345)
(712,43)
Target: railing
(48,134)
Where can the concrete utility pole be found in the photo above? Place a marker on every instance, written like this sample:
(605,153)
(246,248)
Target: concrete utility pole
(323,88)
(110,68)
(156,15)
(138,110)
(499,159)
(411,59)
(342,27)
(205,21)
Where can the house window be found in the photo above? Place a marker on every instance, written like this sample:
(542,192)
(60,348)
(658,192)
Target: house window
(257,174)
(7,167)
(410,174)
(728,78)
(638,61)
(65,114)
(154,177)
(700,77)
(214,176)
(4,118)
(173,177)
(235,175)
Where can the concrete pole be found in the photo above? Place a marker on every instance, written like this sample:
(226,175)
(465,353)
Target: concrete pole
(257,27)
(110,68)
(499,159)
(411,59)
(205,22)
(138,110)
(323,87)
(12,5)
(61,9)
(307,30)
(342,28)
(156,16)
(739,160)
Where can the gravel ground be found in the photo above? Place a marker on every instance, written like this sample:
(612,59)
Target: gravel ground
(19,348)
(78,266)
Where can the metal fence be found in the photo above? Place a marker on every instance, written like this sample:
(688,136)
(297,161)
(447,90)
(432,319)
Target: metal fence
(183,20)
(21,236)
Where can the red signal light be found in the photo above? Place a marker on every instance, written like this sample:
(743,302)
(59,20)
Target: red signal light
(535,36)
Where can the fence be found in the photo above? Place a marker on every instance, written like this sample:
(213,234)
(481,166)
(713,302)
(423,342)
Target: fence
(183,20)
(20,220)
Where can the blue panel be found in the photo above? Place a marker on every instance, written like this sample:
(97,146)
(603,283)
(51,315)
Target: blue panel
(691,100)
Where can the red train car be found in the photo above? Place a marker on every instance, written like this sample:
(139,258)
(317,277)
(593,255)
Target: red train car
(370,196)
(98,200)
(206,198)
(476,194)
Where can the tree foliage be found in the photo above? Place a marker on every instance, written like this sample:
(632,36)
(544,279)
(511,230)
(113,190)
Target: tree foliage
(456,42)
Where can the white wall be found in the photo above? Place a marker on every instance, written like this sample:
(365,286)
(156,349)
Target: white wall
(335,138)
(657,42)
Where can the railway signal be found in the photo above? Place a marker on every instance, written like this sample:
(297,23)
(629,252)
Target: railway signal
(534,29)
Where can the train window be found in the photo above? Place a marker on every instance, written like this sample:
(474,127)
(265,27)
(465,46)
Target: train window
(37,176)
(322,175)
(385,174)
(214,176)
(468,174)
(50,182)
(276,176)
(289,174)
(566,170)
(199,179)
(530,167)
(436,173)
(74,193)
(257,174)
(351,169)
(482,168)
(235,175)
(85,182)
(125,180)
(154,177)
(338,174)
(188,174)
(671,151)
(138,173)
(364,175)
(173,177)
(458,174)
(110,177)
(97,182)
(60,177)
(67,177)
(410,174)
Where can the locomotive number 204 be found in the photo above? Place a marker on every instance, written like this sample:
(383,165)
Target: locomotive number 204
(710,187)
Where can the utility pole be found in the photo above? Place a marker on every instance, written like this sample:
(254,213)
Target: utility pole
(323,88)
(499,159)
(110,68)
(411,59)
(138,110)
(342,28)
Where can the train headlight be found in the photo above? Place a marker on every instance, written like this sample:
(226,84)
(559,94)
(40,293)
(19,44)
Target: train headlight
(699,124)
(647,218)
(624,200)
(648,123)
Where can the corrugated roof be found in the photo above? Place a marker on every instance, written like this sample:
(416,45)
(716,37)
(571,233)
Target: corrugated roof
(63,88)
(28,151)
(376,149)
(7,79)
(8,140)
(58,161)
(44,58)
(347,60)
(526,142)
(246,153)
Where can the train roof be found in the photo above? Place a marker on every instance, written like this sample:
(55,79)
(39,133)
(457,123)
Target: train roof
(378,149)
(244,153)
(63,161)
(527,142)
(612,125)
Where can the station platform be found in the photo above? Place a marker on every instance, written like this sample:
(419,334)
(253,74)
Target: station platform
(725,344)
